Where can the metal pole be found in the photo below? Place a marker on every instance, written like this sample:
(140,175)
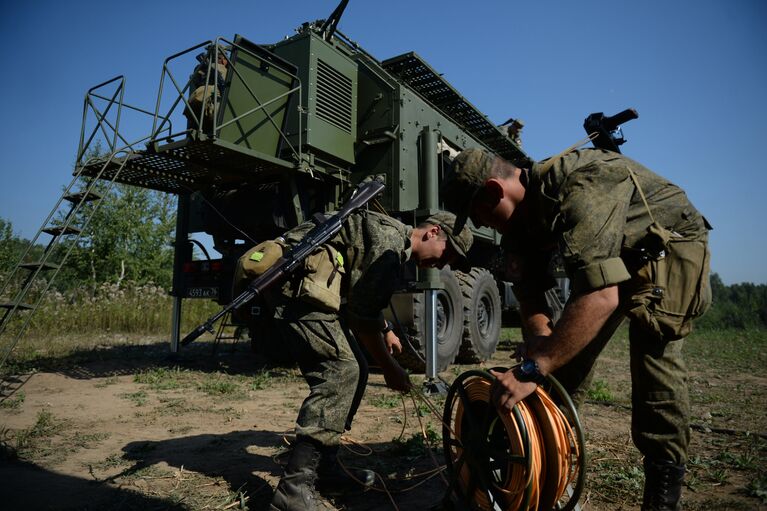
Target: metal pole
(429,278)
(180,250)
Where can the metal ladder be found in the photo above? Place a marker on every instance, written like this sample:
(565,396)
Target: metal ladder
(18,293)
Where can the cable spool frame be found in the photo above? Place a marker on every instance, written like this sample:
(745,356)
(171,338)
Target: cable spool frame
(472,452)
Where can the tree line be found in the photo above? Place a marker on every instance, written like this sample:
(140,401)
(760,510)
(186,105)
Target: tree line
(130,240)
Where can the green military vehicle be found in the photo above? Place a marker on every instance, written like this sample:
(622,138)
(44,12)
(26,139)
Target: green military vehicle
(263,136)
(274,133)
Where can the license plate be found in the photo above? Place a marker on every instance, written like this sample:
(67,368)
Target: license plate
(202,292)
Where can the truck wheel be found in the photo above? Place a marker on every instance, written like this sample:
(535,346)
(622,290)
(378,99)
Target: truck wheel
(482,316)
(449,327)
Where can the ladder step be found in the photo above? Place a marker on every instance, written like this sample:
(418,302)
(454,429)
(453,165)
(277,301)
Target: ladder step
(42,266)
(21,306)
(83,197)
(59,230)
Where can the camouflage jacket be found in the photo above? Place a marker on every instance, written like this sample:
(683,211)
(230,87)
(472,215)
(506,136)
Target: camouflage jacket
(374,248)
(588,207)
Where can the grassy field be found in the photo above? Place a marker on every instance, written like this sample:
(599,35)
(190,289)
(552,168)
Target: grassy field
(132,428)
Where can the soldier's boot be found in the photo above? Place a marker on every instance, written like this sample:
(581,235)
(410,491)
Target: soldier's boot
(296,491)
(662,486)
(334,480)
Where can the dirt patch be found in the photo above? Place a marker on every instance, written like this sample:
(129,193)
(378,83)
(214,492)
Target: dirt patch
(127,429)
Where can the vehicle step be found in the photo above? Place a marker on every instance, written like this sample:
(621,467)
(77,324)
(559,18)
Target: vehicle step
(20,306)
(43,266)
(59,230)
(79,197)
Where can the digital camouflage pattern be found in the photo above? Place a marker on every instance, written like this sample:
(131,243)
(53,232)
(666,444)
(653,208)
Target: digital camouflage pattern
(373,247)
(589,206)
(586,205)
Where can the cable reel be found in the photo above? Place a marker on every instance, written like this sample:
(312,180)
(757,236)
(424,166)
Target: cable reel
(530,458)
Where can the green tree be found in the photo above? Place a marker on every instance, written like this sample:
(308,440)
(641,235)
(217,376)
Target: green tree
(128,239)
(12,247)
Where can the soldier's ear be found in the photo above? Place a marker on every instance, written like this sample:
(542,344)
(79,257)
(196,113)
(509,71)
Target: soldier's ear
(493,190)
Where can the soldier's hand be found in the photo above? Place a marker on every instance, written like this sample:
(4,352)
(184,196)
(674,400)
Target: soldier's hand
(397,378)
(508,391)
(393,343)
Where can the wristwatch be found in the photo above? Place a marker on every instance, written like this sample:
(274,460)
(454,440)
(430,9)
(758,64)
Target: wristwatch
(387,328)
(528,371)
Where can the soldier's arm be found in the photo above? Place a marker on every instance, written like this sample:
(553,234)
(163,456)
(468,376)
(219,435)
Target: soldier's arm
(584,315)
(396,377)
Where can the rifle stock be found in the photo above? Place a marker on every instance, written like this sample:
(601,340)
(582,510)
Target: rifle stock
(290,261)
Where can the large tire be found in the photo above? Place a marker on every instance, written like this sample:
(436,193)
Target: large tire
(481,316)
(449,327)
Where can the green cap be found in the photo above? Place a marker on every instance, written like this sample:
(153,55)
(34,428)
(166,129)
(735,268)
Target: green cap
(460,239)
(470,169)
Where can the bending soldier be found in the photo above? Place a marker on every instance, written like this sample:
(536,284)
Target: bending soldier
(633,246)
(362,264)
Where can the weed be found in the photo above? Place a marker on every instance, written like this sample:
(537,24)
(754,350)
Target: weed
(13,403)
(36,440)
(160,378)
(386,401)
(599,391)
(757,487)
(112,380)
(139,398)
(86,440)
(217,386)
(416,446)
(260,380)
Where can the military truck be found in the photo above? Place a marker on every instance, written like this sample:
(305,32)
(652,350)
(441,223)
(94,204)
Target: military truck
(281,132)
(261,137)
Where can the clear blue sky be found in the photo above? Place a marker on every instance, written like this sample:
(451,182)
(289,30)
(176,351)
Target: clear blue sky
(696,70)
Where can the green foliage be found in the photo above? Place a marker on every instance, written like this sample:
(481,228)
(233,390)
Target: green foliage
(12,247)
(740,306)
(600,391)
(129,238)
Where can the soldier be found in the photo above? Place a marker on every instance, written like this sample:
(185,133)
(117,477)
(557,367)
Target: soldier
(205,83)
(367,256)
(633,246)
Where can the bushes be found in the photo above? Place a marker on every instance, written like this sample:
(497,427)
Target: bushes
(741,306)
(126,308)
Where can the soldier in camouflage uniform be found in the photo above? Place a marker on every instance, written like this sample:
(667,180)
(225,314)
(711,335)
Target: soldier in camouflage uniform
(633,246)
(373,248)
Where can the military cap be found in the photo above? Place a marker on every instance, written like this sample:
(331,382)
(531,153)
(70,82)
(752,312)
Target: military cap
(459,239)
(470,169)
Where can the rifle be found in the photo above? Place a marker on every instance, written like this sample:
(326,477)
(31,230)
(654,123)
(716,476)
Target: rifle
(325,229)
(608,129)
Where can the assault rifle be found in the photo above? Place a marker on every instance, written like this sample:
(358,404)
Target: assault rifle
(324,230)
(608,129)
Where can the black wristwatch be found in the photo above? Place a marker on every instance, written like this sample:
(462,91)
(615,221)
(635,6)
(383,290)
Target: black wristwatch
(528,371)
(387,329)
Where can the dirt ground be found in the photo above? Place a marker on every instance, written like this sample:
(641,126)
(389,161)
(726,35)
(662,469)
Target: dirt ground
(131,427)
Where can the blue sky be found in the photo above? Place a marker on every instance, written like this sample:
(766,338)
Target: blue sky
(696,70)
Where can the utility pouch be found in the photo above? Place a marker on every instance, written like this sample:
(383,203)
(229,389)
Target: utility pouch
(672,288)
(251,265)
(321,283)
(257,260)
(203,99)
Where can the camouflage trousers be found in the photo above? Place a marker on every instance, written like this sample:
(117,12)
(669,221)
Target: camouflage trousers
(660,405)
(333,365)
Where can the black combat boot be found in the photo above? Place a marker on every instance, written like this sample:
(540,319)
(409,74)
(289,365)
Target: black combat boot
(333,480)
(662,485)
(296,489)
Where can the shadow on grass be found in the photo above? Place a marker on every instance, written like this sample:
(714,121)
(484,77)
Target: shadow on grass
(121,360)
(229,456)
(27,486)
